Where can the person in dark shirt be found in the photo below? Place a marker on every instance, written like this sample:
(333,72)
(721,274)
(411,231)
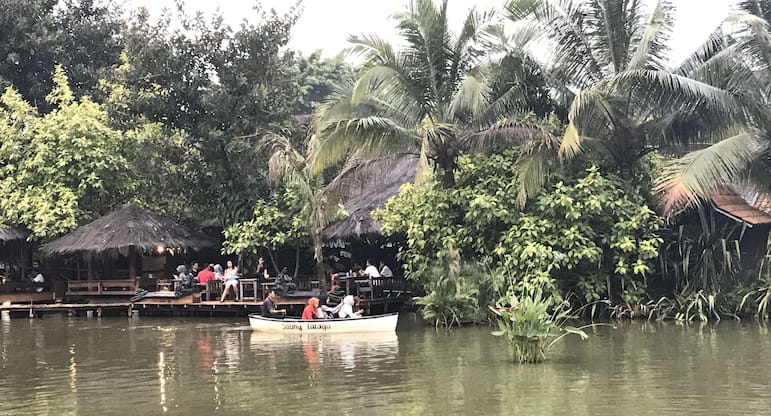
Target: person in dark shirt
(269,307)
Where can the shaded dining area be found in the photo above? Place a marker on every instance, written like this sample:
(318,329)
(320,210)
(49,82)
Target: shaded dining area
(127,249)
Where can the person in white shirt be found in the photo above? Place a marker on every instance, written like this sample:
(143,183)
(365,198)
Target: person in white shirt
(385,271)
(38,280)
(371,270)
(347,310)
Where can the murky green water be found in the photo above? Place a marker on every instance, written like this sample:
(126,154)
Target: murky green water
(150,366)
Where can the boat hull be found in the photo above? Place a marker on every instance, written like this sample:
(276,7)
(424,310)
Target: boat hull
(380,323)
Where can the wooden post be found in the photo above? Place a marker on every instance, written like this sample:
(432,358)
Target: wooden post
(90,268)
(132,263)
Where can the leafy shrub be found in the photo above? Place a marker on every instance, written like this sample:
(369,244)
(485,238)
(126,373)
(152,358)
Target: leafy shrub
(532,323)
(451,292)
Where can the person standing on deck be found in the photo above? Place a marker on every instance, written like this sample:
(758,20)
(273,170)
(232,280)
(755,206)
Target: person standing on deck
(268,308)
(371,270)
(231,281)
(385,271)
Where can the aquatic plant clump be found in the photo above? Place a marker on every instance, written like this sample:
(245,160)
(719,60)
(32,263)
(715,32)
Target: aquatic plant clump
(532,323)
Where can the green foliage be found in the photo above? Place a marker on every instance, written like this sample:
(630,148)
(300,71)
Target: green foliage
(532,323)
(318,78)
(456,291)
(60,169)
(702,255)
(84,36)
(273,225)
(223,87)
(594,229)
(589,235)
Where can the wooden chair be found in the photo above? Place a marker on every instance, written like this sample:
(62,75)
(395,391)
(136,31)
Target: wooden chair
(213,289)
(364,288)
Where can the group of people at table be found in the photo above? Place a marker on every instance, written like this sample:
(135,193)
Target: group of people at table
(230,275)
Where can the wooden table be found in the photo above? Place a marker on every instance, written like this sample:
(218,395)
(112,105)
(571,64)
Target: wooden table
(248,289)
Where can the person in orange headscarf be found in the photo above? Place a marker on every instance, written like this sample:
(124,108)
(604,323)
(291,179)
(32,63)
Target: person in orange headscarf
(312,310)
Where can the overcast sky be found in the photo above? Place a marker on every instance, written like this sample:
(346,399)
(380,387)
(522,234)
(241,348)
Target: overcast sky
(326,24)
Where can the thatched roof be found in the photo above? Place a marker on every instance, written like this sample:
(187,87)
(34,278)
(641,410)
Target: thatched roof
(126,227)
(12,233)
(369,185)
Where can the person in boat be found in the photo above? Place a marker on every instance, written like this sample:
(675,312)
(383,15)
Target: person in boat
(269,309)
(231,281)
(311,311)
(327,309)
(371,270)
(385,271)
(350,307)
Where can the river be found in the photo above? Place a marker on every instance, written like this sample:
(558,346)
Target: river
(153,366)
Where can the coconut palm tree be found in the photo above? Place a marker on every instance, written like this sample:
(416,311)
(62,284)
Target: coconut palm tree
(743,153)
(609,59)
(434,97)
(320,207)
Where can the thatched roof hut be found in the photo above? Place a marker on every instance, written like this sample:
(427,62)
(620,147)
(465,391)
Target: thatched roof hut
(128,231)
(12,233)
(128,227)
(368,186)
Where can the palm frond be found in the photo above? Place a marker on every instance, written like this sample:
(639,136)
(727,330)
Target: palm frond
(565,23)
(652,48)
(666,90)
(509,132)
(532,166)
(590,115)
(369,136)
(686,181)
(472,96)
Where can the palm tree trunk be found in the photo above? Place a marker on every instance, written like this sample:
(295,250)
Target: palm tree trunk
(318,255)
(296,260)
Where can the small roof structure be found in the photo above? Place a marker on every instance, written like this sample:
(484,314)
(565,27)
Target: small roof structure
(12,233)
(368,186)
(128,228)
(743,204)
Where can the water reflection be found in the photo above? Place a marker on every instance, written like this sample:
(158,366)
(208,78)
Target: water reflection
(201,367)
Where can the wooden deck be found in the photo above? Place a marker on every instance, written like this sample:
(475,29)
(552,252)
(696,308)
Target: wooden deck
(167,304)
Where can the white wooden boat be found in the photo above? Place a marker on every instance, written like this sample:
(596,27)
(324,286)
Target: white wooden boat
(379,323)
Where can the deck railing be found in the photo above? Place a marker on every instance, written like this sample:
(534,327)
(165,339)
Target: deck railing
(101,287)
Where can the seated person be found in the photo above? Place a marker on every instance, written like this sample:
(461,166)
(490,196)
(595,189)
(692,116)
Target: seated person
(284,283)
(347,310)
(268,308)
(206,274)
(326,310)
(385,271)
(311,311)
(231,282)
(187,280)
(37,282)
(371,270)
